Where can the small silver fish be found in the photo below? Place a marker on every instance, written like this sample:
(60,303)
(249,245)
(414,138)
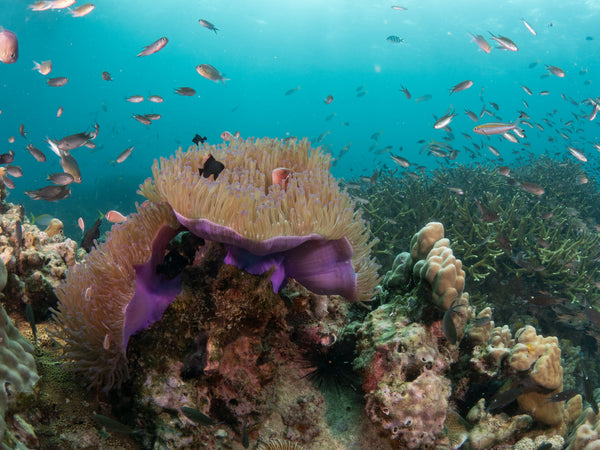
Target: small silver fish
(61,178)
(505,43)
(57,81)
(14,171)
(461,86)
(135,99)
(142,119)
(207,24)
(154,47)
(210,73)
(36,153)
(123,156)
(83,10)
(482,43)
(556,71)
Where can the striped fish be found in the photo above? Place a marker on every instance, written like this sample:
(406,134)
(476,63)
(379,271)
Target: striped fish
(394,39)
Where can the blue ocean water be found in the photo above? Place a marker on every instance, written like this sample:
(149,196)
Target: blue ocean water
(266,48)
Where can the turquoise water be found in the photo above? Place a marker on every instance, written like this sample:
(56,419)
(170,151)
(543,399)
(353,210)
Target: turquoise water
(266,48)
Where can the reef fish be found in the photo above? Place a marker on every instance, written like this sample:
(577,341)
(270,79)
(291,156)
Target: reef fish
(488,129)
(57,81)
(154,47)
(91,235)
(394,39)
(83,10)
(208,25)
(504,398)
(556,71)
(185,91)
(211,167)
(9,46)
(115,216)
(482,43)
(529,27)
(199,139)
(50,193)
(124,155)
(197,416)
(210,73)
(45,67)
(505,43)
(461,86)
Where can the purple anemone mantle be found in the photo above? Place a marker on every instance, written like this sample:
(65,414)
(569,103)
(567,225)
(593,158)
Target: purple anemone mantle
(153,292)
(322,265)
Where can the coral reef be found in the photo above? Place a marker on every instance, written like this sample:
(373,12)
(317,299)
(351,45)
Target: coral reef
(585,434)
(404,364)
(413,374)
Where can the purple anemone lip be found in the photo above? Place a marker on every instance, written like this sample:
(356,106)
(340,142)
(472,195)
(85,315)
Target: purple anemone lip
(322,265)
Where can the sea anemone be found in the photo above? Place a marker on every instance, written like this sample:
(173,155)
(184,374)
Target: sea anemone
(305,226)
(115,293)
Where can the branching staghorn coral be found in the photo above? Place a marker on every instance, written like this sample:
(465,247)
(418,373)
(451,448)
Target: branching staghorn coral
(534,239)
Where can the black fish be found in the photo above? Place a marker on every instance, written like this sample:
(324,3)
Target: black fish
(90,236)
(173,265)
(504,398)
(211,167)
(563,396)
(199,139)
(448,326)
(245,439)
(50,193)
(112,425)
(7,158)
(588,391)
(197,416)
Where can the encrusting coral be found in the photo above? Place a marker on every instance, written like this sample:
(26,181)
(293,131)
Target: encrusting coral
(306,226)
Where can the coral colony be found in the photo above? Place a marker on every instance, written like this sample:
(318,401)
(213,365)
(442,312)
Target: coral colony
(241,306)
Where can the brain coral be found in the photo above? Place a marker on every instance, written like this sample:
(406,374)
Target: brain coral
(306,226)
